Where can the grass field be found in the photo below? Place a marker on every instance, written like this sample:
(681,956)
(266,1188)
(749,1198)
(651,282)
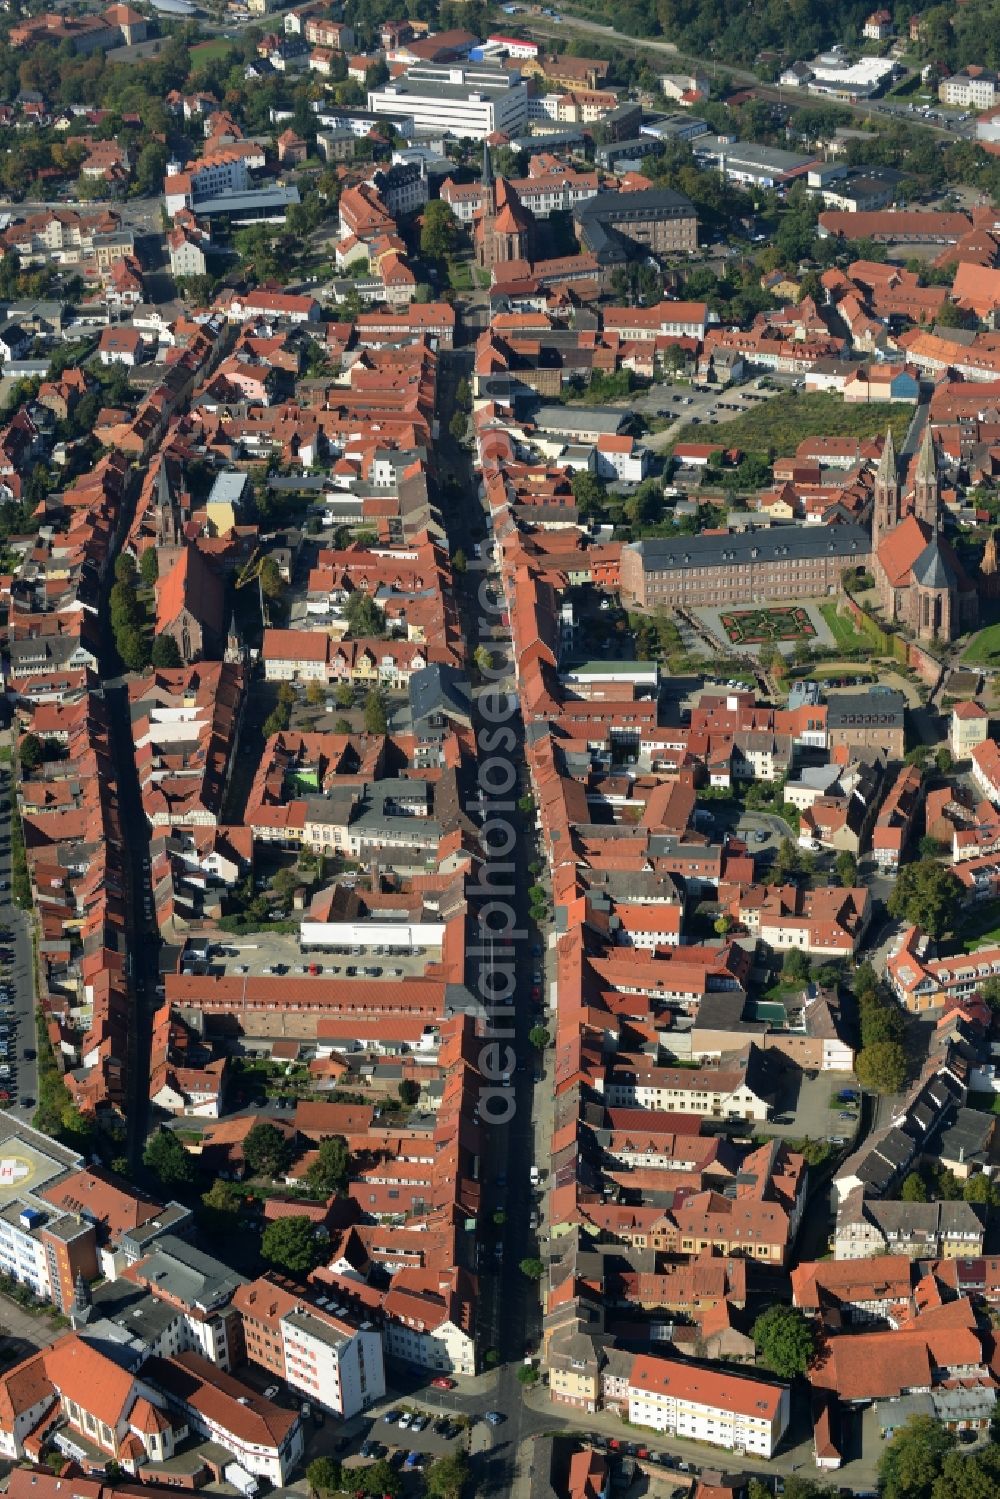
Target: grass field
(842,629)
(985,648)
(980,926)
(203,52)
(779,425)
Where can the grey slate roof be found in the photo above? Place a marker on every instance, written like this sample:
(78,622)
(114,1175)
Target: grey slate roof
(691,553)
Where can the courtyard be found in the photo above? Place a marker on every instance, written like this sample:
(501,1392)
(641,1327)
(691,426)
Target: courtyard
(765,626)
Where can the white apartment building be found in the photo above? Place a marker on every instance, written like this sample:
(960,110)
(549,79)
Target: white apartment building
(709,1092)
(704,1405)
(332,1363)
(970,726)
(445,1349)
(973,88)
(462,100)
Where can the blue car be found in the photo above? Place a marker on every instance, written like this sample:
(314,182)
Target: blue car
(412,1461)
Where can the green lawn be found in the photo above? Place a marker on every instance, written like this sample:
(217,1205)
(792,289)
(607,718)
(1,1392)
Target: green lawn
(980,926)
(985,648)
(203,52)
(781,423)
(842,629)
(460,275)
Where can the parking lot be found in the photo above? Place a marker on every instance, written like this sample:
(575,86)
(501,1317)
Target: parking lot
(806,1105)
(280,954)
(685,405)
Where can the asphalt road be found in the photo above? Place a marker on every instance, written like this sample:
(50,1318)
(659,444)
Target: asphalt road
(668,51)
(509,1311)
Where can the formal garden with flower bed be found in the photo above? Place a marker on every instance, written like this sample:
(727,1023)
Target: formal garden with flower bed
(760,626)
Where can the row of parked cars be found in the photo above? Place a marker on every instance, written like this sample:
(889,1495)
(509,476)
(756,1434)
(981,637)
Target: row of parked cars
(637,1449)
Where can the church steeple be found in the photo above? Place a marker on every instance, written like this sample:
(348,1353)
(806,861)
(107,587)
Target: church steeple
(885,515)
(488,181)
(925,484)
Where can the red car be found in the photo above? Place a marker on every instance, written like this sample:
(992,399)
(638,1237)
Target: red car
(536,993)
(441,1383)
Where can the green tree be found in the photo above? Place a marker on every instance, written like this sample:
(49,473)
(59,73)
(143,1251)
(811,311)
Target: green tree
(914,1188)
(439,230)
(926,895)
(590,494)
(166,652)
(796,965)
(532,1268)
(266,1150)
(865,982)
(943,759)
(125,569)
(972,1475)
(882,1068)
(330,1170)
(447,1477)
(785,1340)
(324,1475)
(315,694)
(539,1037)
(880,1022)
(292,1243)
(30,752)
(979,1189)
(846,866)
(527,1374)
(989,991)
(409,1092)
(344,695)
(459,561)
(220,1207)
(378,1479)
(458,426)
(166,1157)
(483,658)
(787,861)
(364,617)
(133,647)
(914,1459)
(376,718)
(272,584)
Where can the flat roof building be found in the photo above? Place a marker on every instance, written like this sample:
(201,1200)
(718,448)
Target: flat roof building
(456,100)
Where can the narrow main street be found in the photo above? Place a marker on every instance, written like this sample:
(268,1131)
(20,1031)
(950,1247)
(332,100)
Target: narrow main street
(510,1322)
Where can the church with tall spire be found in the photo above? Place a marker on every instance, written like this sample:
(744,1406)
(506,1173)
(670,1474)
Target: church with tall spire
(920,581)
(502,228)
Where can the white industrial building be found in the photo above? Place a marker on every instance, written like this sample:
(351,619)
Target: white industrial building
(459,100)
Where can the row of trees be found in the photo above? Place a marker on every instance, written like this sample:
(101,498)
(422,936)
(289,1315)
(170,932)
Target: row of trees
(129,623)
(446,1477)
(881,1064)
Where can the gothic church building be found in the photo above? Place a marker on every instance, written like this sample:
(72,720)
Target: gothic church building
(921,584)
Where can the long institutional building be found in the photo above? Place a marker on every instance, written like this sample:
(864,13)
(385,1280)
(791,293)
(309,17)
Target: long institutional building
(786,563)
(465,100)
